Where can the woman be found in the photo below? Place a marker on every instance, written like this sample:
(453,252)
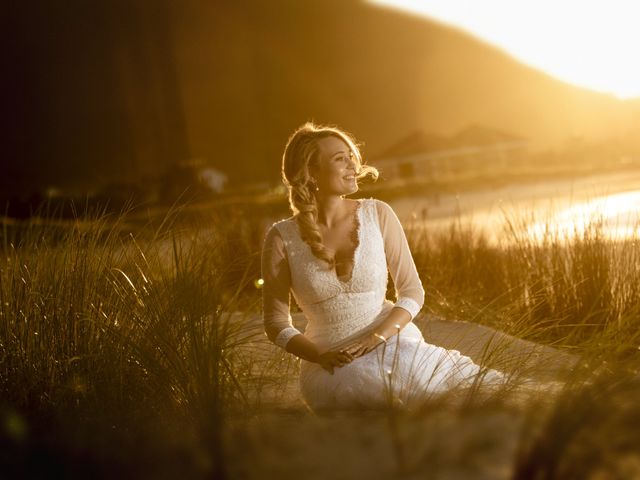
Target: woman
(334,254)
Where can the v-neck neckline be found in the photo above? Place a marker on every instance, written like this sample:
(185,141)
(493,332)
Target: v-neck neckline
(354,255)
(354,260)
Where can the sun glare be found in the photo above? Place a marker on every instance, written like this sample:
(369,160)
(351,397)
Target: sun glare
(587,43)
(619,216)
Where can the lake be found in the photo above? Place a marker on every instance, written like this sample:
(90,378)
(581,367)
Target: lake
(560,207)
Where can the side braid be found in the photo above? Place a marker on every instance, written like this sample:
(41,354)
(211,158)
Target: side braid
(304,201)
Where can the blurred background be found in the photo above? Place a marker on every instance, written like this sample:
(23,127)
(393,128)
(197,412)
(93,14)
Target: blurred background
(132,346)
(149,99)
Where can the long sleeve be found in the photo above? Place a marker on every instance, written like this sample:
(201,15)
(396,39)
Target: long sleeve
(276,275)
(409,289)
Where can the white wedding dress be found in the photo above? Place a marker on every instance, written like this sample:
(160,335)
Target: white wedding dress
(406,368)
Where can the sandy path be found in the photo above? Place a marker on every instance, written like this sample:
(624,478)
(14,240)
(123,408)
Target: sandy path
(286,439)
(484,345)
(489,346)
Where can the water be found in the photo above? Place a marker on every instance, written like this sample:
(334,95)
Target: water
(558,209)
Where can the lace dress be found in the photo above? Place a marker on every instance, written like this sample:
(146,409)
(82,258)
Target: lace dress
(337,310)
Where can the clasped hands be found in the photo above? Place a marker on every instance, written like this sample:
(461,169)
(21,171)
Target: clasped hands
(358,347)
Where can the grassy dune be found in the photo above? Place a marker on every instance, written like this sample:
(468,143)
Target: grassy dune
(131,348)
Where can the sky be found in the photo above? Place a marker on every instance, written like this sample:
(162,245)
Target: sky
(588,43)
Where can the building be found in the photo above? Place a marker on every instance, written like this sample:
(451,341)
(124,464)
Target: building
(423,155)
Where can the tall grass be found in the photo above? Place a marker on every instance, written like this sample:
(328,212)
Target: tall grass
(562,290)
(107,330)
(579,292)
(142,333)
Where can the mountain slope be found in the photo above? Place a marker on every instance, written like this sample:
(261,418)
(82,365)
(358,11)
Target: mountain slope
(378,73)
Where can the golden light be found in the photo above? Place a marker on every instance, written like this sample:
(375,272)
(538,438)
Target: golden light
(619,215)
(587,43)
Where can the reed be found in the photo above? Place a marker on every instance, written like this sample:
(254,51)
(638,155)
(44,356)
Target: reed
(145,332)
(563,290)
(103,329)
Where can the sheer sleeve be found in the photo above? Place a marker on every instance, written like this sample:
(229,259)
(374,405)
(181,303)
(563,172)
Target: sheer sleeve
(409,289)
(276,275)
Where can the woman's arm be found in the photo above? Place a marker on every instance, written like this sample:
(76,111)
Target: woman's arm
(277,320)
(395,321)
(407,283)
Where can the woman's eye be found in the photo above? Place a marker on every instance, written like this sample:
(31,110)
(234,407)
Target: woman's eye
(344,158)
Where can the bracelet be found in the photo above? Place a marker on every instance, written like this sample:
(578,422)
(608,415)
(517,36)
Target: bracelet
(380,337)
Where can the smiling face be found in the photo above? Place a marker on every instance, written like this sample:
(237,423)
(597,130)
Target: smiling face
(335,170)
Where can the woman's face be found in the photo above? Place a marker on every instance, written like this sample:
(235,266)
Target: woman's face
(336,167)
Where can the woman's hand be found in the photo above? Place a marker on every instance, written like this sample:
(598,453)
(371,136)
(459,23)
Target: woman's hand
(363,345)
(334,358)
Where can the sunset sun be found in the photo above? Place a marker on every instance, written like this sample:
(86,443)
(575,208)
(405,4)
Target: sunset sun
(589,44)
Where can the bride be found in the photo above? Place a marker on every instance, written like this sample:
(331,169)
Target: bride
(334,254)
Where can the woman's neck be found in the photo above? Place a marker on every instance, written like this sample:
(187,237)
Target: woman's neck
(332,209)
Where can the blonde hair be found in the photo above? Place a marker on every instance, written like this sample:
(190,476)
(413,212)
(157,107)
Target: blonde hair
(301,153)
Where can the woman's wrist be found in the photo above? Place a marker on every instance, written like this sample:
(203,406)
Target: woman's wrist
(380,337)
(386,332)
(303,348)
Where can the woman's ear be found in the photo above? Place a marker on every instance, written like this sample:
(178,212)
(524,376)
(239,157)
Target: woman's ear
(313,171)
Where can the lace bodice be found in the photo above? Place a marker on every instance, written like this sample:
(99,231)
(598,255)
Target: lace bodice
(337,309)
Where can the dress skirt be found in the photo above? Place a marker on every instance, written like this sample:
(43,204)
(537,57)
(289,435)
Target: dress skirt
(405,369)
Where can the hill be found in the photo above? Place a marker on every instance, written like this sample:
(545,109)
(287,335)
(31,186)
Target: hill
(380,74)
